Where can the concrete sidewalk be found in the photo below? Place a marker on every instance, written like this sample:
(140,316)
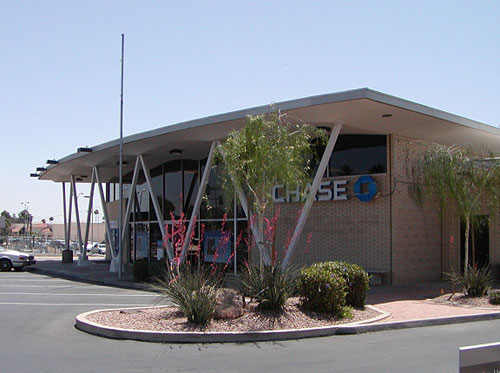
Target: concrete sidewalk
(95,270)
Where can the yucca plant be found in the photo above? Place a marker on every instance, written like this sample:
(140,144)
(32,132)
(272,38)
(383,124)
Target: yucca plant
(475,282)
(271,288)
(194,291)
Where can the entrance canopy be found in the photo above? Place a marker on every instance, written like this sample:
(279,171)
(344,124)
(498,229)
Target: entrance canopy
(360,111)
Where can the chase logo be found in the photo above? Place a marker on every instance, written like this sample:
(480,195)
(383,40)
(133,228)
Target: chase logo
(365,189)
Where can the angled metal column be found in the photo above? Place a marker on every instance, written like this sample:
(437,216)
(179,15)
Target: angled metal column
(116,264)
(312,193)
(131,200)
(156,206)
(253,226)
(69,213)
(105,212)
(197,202)
(78,227)
(66,238)
(89,211)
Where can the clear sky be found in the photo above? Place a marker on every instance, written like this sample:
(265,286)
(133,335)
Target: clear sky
(60,67)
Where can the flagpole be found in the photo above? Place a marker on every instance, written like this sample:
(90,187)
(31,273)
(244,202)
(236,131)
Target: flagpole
(120,217)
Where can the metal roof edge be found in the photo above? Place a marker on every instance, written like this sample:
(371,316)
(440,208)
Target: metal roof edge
(349,95)
(429,111)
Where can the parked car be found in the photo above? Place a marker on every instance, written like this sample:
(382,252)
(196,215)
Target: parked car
(101,249)
(92,248)
(14,259)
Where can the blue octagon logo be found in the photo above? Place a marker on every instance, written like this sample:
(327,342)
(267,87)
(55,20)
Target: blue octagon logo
(372,188)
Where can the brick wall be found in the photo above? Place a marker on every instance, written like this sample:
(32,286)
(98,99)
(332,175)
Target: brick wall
(389,233)
(354,231)
(416,230)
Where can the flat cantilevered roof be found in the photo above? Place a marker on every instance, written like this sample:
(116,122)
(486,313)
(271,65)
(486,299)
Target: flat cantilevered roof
(361,111)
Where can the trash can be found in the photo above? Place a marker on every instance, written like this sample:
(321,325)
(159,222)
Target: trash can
(67,256)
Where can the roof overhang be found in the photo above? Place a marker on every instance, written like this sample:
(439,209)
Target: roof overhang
(361,111)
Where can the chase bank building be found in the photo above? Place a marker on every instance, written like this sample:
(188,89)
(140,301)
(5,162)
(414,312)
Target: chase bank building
(362,212)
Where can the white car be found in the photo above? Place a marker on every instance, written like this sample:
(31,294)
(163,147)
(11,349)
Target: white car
(101,249)
(14,259)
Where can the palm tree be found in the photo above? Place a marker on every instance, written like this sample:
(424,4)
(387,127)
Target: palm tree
(452,174)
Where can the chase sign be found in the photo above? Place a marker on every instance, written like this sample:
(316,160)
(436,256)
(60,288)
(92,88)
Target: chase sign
(365,189)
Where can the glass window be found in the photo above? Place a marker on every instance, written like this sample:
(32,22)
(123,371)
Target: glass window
(214,205)
(141,238)
(142,201)
(191,182)
(173,189)
(157,184)
(358,155)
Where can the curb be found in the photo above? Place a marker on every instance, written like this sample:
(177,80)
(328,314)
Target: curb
(446,320)
(82,323)
(371,325)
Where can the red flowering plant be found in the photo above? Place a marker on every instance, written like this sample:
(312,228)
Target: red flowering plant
(193,288)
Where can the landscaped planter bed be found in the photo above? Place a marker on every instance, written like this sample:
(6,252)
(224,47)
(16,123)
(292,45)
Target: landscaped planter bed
(169,319)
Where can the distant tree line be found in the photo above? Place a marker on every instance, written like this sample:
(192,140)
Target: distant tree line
(22,217)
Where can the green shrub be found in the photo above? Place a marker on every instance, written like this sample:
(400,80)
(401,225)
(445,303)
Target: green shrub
(321,289)
(271,288)
(358,283)
(194,291)
(475,283)
(140,270)
(494,297)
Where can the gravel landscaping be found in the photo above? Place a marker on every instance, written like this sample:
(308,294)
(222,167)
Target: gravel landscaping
(164,319)
(460,299)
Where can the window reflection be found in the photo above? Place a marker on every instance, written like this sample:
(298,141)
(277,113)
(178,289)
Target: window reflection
(358,155)
(214,205)
(191,182)
(157,185)
(173,189)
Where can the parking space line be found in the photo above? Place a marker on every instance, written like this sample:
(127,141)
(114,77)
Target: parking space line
(38,286)
(75,304)
(12,279)
(84,294)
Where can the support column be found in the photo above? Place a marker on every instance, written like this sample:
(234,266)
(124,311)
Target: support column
(197,203)
(69,212)
(67,254)
(131,200)
(312,194)
(105,212)
(66,238)
(83,250)
(117,262)
(156,206)
(89,214)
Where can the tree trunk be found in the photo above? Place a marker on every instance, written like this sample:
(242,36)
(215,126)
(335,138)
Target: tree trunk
(466,245)
(262,246)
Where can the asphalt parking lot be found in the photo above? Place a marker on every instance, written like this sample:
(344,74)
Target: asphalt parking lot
(37,334)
